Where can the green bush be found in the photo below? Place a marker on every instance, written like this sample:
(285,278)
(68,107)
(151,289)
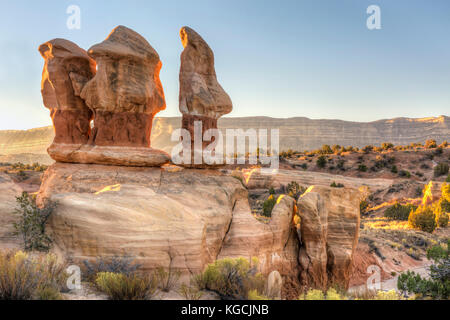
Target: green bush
(321,162)
(231,279)
(31,224)
(119,286)
(26,278)
(441,169)
(387,145)
(362,168)
(430,144)
(363,206)
(441,215)
(336,185)
(405,174)
(399,211)
(438,285)
(423,218)
(326,149)
(268,206)
(448,178)
(394,169)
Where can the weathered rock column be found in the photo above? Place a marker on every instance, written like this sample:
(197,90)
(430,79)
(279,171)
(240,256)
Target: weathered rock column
(201,98)
(122,98)
(126,92)
(66,66)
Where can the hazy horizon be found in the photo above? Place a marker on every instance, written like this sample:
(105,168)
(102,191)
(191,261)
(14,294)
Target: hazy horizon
(314,59)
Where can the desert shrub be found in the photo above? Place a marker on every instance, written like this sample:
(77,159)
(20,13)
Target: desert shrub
(399,211)
(256,296)
(387,295)
(448,178)
(367,149)
(441,215)
(438,285)
(231,278)
(326,149)
(295,190)
(48,293)
(340,164)
(268,206)
(336,148)
(440,169)
(304,166)
(336,185)
(118,286)
(423,218)
(430,144)
(405,174)
(363,206)
(31,224)
(25,278)
(445,191)
(167,279)
(190,292)
(394,169)
(386,146)
(312,294)
(321,162)
(116,264)
(362,168)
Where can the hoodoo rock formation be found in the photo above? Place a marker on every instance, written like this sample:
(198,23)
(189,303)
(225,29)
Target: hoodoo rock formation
(201,99)
(122,97)
(66,67)
(126,92)
(171,217)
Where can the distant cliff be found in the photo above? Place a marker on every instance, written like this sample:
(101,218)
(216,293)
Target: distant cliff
(295,133)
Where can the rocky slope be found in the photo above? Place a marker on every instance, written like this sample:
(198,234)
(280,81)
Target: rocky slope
(295,133)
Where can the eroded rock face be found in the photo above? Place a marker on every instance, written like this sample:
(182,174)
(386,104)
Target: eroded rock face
(126,92)
(330,221)
(274,244)
(201,98)
(67,67)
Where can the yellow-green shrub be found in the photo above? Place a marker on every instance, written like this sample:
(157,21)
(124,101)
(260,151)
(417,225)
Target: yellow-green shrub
(25,278)
(231,278)
(118,286)
(423,218)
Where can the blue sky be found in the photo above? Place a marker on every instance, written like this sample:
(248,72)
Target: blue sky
(312,58)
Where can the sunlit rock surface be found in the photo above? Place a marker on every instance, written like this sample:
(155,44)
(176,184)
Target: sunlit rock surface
(201,99)
(330,221)
(126,92)
(66,68)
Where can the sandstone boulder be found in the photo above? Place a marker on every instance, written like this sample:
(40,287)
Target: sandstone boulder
(179,219)
(66,68)
(201,98)
(330,221)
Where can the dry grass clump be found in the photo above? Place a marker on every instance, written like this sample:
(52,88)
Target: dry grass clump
(119,286)
(25,278)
